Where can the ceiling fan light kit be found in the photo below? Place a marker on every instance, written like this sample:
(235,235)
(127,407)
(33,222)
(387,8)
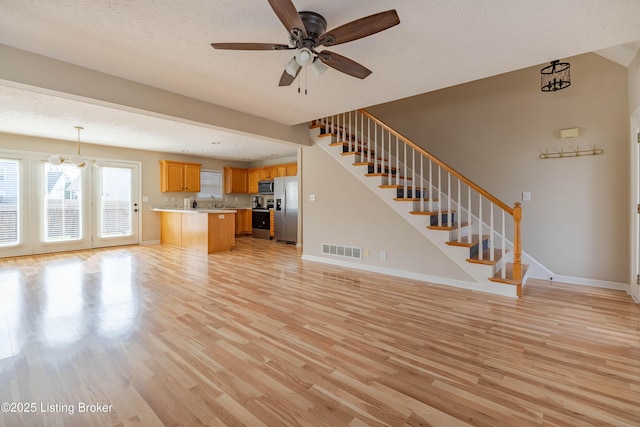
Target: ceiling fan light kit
(308,31)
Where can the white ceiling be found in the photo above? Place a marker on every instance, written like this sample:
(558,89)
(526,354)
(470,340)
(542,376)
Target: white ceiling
(166,44)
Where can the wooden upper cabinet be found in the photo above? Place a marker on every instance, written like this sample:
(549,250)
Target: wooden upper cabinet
(292,169)
(192,177)
(266,173)
(254,177)
(281,170)
(235,180)
(233,177)
(179,176)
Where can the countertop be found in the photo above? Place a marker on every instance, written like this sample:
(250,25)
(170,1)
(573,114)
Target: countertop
(196,210)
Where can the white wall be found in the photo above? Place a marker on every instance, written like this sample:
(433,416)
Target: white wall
(493,130)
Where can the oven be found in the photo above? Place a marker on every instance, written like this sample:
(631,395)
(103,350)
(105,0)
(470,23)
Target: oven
(260,223)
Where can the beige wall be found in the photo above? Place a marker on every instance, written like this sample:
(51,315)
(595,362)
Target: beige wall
(634,84)
(150,170)
(493,130)
(345,212)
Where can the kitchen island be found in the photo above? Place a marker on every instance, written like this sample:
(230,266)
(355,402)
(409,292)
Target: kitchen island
(202,230)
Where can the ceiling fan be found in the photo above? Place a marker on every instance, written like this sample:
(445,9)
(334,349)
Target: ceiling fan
(307,31)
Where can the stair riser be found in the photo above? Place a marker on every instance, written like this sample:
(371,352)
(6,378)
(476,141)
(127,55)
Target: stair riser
(474,250)
(433,219)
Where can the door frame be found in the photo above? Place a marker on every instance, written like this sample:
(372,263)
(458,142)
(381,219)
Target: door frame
(634,274)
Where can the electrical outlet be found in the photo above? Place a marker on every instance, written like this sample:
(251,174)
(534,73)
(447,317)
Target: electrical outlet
(526,196)
(366,253)
(312,197)
(166,198)
(146,198)
(383,255)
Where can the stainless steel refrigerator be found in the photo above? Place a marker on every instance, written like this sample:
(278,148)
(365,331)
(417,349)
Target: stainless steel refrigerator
(285,193)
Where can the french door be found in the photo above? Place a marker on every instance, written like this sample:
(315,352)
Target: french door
(48,208)
(115,205)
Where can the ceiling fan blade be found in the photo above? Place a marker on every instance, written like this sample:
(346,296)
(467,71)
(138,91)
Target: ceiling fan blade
(344,64)
(360,28)
(288,15)
(286,79)
(251,46)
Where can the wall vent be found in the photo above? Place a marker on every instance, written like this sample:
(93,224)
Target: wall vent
(343,251)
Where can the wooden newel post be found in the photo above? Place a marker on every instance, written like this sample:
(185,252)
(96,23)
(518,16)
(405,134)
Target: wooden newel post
(517,246)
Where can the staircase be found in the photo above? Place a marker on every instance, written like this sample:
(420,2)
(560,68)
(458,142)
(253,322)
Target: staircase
(472,227)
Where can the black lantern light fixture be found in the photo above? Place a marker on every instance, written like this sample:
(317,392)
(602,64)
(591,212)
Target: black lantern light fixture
(555,76)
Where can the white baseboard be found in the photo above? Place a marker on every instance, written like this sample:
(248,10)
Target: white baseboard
(150,242)
(587,282)
(396,273)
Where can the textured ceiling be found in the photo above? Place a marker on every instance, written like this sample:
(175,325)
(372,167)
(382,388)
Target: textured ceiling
(166,44)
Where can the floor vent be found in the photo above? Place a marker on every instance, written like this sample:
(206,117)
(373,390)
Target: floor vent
(344,251)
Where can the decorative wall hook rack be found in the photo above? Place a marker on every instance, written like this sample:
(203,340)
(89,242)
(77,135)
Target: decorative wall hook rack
(571,153)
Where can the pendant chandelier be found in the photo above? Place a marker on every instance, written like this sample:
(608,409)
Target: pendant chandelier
(555,76)
(75,159)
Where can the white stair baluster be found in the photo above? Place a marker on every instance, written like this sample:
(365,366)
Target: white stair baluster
(480,254)
(469,217)
(439,196)
(369,140)
(390,181)
(448,199)
(414,183)
(404,167)
(459,215)
(430,186)
(492,256)
(422,187)
(504,239)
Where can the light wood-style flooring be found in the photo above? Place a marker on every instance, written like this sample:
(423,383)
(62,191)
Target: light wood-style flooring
(159,336)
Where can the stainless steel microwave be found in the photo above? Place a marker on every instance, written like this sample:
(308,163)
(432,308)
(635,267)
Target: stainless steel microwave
(265,187)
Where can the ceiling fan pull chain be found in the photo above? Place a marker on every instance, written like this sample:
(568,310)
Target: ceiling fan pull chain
(305,80)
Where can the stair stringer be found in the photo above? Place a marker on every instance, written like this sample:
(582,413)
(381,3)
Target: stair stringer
(459,255)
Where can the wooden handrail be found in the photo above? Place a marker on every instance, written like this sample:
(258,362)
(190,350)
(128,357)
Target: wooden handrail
(446,167)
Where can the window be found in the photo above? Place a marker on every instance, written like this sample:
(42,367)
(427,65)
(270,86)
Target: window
(115,202)
(210,184)
(62,203)
(9,202)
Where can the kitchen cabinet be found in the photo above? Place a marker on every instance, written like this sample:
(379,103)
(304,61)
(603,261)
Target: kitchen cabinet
(292,169)
(179,176)
(268,172)
(206,232)
(235,180)
(243,221)
(281,170)
(253,177)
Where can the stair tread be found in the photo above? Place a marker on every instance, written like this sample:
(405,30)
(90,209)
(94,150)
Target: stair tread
(430,213)
(508,279)
(399,186)
(485,257)
(411,199)
(387,174)
(445,227)
(475,239)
